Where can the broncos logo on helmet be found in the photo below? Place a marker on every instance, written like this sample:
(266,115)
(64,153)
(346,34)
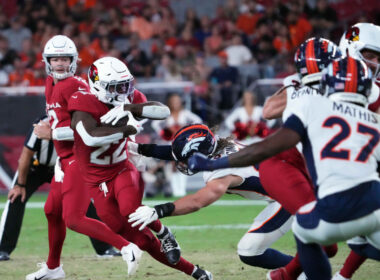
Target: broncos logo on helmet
(190,139)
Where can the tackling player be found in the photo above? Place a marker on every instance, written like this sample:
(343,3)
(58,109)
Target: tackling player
(112,179)
(271,224)
(342,163)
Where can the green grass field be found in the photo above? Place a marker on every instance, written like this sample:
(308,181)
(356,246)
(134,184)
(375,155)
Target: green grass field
(212,246)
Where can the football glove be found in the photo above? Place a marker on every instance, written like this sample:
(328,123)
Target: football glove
(143,216)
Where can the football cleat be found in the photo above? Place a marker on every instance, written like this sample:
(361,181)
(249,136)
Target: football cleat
(338,276)
(132,255)
(44,273)
(110,253)
(279,274)
(4,256)
(201,274)
(170,246)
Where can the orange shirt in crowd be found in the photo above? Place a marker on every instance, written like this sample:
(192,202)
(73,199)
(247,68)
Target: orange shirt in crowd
(25,78)
(142,27)
(282,45)
(299,31)
(247,22)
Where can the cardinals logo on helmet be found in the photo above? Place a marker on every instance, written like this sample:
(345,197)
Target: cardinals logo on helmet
(94,76)
(353,34)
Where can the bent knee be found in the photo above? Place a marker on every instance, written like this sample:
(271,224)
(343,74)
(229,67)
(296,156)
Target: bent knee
(252,245)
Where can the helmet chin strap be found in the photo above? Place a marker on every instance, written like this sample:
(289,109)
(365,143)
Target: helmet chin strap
(61,76)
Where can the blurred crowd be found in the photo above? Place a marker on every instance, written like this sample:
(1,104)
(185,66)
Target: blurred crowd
(154,43)
(221,51)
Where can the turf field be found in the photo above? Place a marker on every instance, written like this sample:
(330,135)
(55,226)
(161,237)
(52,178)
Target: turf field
(208,238)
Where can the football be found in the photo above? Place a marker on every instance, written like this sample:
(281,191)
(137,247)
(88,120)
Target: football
(120,123)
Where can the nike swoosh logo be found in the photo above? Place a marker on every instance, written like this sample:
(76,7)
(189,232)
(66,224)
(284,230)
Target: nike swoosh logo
(133,257)
(80,88)
(74,96)
(35,278)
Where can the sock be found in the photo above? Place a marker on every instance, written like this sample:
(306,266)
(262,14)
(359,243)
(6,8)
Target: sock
(156,226)
(57,234)
(294,268)
(270,259)
(314,261)
(352,263)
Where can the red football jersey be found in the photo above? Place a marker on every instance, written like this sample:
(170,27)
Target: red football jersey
(98,164)
(57,99)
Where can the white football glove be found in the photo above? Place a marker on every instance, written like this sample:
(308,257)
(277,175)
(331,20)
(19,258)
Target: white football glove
(143,215)
(133,147)
(114,115)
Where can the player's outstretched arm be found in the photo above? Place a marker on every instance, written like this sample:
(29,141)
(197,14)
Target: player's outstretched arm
(213,190)
(94,135)
(279,141)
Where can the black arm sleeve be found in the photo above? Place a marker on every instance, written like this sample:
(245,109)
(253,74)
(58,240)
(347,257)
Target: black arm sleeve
(163,152)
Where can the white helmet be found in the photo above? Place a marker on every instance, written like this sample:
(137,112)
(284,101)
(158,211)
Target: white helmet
(359,37)
(111,81)
(60,46)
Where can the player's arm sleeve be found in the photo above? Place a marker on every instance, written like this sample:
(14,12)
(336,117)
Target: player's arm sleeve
(163,152)
(64,133)
(205,196)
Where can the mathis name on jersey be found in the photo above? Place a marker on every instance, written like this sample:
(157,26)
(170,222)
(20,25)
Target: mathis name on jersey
(355,112)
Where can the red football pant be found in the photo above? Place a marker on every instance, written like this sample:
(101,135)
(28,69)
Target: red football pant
(124,196)
(66,205)
(285,178)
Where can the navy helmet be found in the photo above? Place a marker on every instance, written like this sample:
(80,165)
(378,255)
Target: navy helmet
(189,139)
(348,80)
(313,56)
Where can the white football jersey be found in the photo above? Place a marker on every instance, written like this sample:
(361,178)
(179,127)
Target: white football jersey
(340,141)
(250,187)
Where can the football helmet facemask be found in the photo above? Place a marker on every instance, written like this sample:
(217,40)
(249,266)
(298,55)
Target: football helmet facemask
(111,81)
(360,37)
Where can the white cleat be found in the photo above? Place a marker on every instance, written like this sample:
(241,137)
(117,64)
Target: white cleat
(44,273)
(337,276)
(132,255)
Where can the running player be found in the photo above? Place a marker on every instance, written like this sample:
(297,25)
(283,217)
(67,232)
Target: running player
(112,180)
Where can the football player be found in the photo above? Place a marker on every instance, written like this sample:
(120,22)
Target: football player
(292,186)
(272,223)
(68,198)
(341,162)
(102,157)
(362,41)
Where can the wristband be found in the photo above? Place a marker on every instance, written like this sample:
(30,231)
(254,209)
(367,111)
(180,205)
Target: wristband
(220,163)
(164,210)
(20,185)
